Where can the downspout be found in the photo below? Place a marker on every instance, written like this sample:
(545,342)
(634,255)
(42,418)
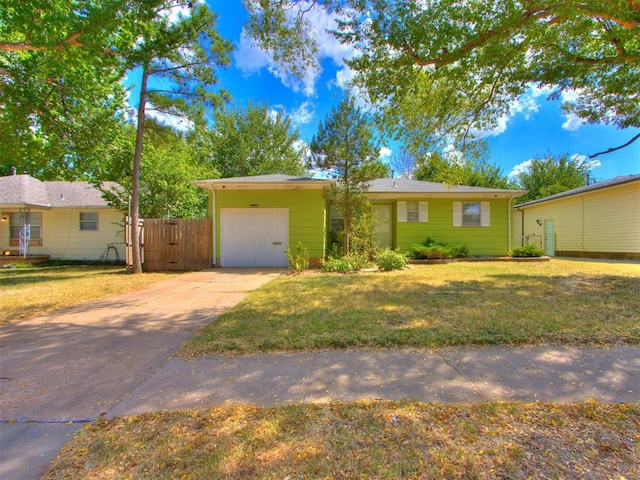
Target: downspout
(521,226)
(509,227)
(213,229)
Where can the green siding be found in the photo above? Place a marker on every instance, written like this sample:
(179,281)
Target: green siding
(307,214)
(492,240)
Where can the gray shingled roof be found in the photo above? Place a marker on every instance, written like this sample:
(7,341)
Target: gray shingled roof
(24,190)
(404,185)
(587,188)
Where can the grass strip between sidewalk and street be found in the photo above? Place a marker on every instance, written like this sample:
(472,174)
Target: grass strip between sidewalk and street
(373,440)
(428,306)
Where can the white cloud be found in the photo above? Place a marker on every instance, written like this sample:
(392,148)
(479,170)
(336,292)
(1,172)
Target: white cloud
(385,152)
(178,11)
(573,122)
(520,168)
(304,114)
(580,159)
(526,105)
(178,123)
(251,59)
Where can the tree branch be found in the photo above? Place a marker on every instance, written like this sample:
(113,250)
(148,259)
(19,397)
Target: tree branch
(71,41)
(477,41)
(613,149)
(179,67)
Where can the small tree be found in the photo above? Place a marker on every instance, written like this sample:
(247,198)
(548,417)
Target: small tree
(345,142)
(548,176)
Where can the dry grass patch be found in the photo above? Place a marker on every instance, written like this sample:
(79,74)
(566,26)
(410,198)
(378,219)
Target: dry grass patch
(28,292)
(559,302)
(378,440)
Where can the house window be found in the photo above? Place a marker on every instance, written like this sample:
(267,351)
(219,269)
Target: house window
(88,221)
(17,222)
(413,212)
(471,214)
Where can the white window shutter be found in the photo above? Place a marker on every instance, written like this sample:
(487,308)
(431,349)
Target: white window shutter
(485,214)
(402,211)
(457,214)
(423,212)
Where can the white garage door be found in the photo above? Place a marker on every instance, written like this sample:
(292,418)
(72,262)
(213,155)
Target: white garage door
(254,237)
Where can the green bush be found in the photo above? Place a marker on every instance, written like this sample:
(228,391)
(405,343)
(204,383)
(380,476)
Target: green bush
(388,260)
(341,265)
(529,250)
(430,250)
(298,261)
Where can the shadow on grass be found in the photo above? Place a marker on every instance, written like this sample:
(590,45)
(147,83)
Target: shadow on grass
(31,276)
(376,311)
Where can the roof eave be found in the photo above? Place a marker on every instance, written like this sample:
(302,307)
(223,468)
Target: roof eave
(289,185)
(394,195)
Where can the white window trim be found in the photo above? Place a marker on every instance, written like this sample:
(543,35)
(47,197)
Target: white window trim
(485,215)
(423,212)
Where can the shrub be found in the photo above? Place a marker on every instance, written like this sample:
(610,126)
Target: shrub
(341,265)
(388,260)
(529,250)
(298,261)
(430,250)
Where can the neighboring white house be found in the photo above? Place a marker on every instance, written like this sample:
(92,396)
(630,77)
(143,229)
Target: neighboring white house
(67,220)
(601,220)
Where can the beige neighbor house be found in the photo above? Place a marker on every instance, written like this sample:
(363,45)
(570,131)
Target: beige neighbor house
(601,220)
(66,220)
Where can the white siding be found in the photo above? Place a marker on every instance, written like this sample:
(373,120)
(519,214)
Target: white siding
(63,239)
(606,220)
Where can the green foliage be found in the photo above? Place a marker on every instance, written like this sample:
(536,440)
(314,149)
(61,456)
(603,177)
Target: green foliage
(298,260)
(444,71)
(431,250)
(247,141)
(529,250)
(338,265)
(61,69)
(338,262)
(388,260)
(169,164)
(454,170)
(548,176)
(345,142)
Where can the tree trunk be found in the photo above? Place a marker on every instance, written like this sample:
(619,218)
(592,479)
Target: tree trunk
(135,186)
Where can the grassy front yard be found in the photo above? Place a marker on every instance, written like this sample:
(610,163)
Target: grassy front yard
(559,302)
(25,292)
(380,440)
(562,302)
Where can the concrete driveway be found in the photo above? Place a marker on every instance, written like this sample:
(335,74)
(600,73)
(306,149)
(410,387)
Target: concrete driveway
(71,366)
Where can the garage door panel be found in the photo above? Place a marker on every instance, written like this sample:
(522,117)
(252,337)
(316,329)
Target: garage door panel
(253,237)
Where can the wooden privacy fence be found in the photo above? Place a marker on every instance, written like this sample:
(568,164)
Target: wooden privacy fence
(176,244)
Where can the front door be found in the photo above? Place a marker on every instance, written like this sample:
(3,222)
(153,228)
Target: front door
(382,225)
(549,238)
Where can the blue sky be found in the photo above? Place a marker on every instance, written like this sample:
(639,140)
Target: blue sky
(534,128)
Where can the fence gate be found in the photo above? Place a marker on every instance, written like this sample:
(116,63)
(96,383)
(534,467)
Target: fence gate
(177,244)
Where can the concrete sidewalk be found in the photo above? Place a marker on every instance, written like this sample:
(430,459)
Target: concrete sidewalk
(533,374)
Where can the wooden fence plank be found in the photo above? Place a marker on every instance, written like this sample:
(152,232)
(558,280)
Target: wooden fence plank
(177,244)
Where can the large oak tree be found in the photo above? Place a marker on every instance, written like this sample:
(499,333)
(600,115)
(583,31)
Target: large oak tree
(443,70)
